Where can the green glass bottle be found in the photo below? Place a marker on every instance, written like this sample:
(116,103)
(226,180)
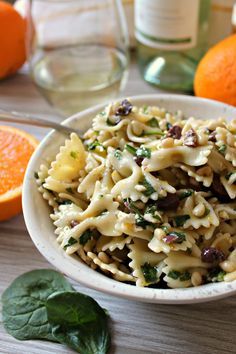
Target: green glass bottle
(171,39)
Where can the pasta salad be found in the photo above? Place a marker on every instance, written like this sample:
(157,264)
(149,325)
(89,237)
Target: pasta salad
(147,196)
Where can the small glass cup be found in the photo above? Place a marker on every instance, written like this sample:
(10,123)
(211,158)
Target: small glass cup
(77,51)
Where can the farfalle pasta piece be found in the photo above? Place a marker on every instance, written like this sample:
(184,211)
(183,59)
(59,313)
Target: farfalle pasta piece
(132,174)
(141,255)
(226,212)
(67,165)
(229,187)
(164,158)
(111,268)
(101,201)
(179,267)
(118,242)
(87,184)
(183,261)
(200,212)
(203,174)
(218,163)
(161,243)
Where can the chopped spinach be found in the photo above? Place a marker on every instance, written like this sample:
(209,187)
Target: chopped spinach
(145,109)
(131,206)
(153,122)
(153,211)
(185,276)
(185,194)
(140,221)
(165,228)
(118,154)
(181,219)
(70,242)
(222,149)
(74,154)
(132,150)
(153,132)
(149,273)
(149,188)
(174,274)
(94,144)
(143,152)
(65,202)
(36,175)
(215,275)
(168,125)
(85,237)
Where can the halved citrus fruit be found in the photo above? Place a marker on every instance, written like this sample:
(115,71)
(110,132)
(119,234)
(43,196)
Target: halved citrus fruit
(16,148)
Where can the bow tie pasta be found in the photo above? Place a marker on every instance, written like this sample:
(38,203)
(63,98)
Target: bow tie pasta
(147,197)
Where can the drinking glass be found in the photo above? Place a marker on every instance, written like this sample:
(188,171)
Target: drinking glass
(77,51)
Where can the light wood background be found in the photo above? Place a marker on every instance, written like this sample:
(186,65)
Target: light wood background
(137,328)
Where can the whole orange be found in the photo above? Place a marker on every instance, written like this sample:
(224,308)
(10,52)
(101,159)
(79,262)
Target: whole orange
(12,40)
(215,77)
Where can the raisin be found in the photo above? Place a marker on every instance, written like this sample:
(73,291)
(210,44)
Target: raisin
(219,190)
(212,255)
(175,132)
(74,223)
(171,202)
(190,138)
(212,136)
(138,160)
(124,109)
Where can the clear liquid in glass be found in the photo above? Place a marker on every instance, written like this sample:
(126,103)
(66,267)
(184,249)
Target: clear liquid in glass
(75,78)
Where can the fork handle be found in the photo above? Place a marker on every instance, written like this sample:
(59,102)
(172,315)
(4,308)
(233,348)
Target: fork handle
(22,118)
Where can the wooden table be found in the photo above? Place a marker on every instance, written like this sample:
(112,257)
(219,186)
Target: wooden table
(137,328)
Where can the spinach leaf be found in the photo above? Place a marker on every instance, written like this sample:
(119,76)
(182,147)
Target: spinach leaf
(85,237)
(79,322)
(149,188)
(185,194)
(181,219)
(143,152)
(72,241)
(132,150)
(94,144)
(118,154)
(23,304)
(149,273)
(153,122)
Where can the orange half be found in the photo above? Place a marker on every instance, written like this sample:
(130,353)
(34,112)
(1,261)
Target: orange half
(16,148)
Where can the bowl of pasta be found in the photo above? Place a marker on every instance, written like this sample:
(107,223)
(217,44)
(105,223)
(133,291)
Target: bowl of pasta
(143,205)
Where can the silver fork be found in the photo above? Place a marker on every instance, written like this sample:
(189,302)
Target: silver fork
(24,118)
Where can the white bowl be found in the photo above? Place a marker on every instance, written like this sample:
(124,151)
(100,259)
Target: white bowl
(41,229)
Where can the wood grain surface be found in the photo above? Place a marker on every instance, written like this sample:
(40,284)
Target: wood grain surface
(137,328)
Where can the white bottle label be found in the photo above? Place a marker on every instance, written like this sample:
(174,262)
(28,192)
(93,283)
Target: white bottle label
(167,24)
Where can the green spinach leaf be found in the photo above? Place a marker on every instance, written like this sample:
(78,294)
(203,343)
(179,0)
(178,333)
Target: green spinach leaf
(23,304)
(79,322)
